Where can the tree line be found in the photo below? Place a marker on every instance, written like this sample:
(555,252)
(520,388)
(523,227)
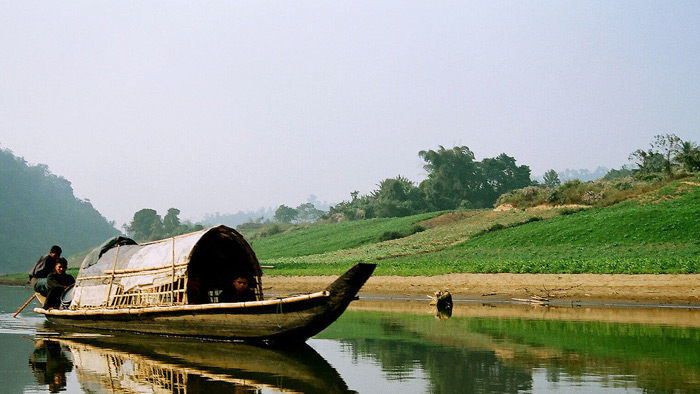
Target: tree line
(456,180)
(147,225)
(667,154)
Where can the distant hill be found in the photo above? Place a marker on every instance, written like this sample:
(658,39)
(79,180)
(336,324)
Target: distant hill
(37,210)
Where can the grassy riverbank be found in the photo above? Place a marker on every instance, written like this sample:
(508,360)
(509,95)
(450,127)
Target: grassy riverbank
(654,233)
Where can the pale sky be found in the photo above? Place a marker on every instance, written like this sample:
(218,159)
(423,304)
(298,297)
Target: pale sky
(221,106)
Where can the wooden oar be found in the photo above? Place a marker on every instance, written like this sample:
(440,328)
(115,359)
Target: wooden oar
(25,304)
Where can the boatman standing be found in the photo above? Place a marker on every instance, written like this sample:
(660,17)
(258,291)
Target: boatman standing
(42,269)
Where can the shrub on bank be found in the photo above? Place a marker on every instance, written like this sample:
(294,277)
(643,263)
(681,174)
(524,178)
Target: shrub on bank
(600,193)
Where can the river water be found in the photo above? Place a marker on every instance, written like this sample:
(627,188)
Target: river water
(377,346)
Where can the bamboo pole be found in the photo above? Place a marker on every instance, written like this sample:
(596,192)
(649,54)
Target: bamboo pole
(131,272)
(24,306)
(172,282)
(111,281)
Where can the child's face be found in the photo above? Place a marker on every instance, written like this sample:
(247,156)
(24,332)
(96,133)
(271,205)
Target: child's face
(241,284)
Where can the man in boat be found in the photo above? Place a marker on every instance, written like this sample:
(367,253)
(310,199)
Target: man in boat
(43,267)
(56,283)
(239,292)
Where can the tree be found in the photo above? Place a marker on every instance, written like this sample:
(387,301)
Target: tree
(688,156)
(551,179)
(397,197)
(359,208)
(502,175)
(453,177)
(171,222)
(148,226)
(456,180)
(617,174)
(145,226)
(308,213)
(668,146)
(285,214)
(647,162)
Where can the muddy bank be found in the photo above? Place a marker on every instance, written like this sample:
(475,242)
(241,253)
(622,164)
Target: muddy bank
(605,288)
(587,288)
(677,316)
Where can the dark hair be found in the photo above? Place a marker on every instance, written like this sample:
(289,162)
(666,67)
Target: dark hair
(62,261)
(56,249)
(247,277)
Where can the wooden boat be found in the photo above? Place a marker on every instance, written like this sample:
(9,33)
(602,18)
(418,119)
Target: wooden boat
(170,287)
(138,364)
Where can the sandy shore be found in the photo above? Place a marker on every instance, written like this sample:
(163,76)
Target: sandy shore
(593,288)
(578,288)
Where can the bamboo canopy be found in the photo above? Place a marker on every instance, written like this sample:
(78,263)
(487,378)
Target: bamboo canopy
(187,269)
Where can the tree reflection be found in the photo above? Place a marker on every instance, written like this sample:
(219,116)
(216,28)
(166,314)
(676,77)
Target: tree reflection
(502,355)
(451,370)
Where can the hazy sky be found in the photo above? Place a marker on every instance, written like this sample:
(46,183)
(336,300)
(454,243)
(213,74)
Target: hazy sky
(220,106)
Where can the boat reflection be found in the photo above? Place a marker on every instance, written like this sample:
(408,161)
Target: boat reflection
(142,363)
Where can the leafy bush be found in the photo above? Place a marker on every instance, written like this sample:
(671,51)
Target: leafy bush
(653,177)
(600,193)
(271,230)
(389,235)
(416,228)
(571,210)
(393,234)
(496,227)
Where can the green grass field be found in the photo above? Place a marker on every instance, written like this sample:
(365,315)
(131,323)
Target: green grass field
(654,233)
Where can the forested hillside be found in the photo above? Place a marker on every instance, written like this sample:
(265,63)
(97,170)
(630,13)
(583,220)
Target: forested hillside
(37,210)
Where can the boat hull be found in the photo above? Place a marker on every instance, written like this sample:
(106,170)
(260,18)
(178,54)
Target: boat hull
(286,320)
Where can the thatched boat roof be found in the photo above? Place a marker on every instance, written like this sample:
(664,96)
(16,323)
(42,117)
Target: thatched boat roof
(171,268)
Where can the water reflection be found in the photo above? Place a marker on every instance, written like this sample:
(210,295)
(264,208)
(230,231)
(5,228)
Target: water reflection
(388,347)
(448,369)
(49,363)
(136,364)
(508,355)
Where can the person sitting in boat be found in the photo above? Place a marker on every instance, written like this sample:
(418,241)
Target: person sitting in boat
(57,282)
(196,294)
(239,292)
(43,267)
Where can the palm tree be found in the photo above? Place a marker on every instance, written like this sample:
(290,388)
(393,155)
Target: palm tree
(688,156)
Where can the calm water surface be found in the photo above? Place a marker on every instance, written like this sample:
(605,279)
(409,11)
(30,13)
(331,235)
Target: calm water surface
(376,347)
